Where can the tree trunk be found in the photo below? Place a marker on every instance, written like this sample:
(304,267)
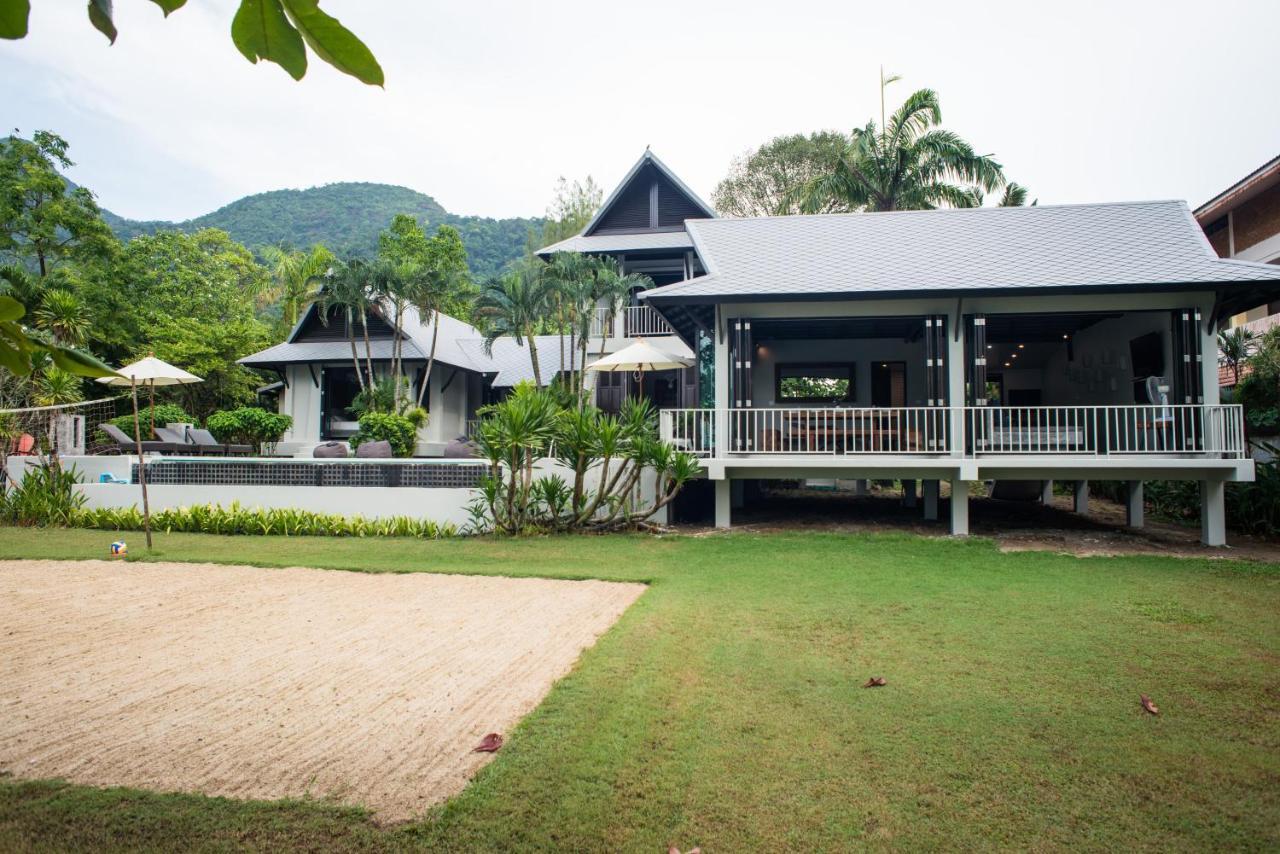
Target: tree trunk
(431,357)
(355,354)
(368,351)
(533,358)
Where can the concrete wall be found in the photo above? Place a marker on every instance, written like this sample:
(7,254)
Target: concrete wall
(371,502)
(1100,372)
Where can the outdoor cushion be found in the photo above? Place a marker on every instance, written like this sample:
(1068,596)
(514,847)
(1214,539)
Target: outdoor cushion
(460,448)
(330,450)
(380,450)
(205,440)
(125,443)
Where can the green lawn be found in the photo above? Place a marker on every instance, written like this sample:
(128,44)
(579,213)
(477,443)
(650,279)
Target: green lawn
(725,708)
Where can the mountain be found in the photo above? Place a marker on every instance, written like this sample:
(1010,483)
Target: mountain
(347,218)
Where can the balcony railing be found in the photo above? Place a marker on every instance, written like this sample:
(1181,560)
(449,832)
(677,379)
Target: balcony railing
(633,321)
(1181,430)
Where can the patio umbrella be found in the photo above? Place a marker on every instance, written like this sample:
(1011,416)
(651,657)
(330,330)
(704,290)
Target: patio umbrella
(640,357)
(152,372)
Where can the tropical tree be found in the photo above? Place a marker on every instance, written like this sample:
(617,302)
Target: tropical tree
(347,292)
(571,208)
(1235,347)
(760,182)
(278,31)
(44,221)
(513,305)
(907,162)
(1014,196)
(296,276)
(64,317)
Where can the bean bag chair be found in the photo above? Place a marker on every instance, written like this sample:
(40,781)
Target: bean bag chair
(380,450)
(330,451)
(460,448)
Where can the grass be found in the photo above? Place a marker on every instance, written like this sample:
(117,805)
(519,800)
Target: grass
(725,708)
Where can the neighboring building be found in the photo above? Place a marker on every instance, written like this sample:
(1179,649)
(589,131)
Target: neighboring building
(1034,344)
(1243,222)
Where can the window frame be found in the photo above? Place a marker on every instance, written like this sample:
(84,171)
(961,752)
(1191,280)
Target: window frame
(850,397)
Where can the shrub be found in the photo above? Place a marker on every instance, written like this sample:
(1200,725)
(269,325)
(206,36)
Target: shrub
(236,520)
(618,450)
(396,429)
(47,496)
(249,425)
(165,413)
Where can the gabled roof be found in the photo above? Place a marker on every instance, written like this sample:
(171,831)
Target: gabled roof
(669,235)
(604,243)
(511,362)
(1145,245)
(646,159)
(1263,178)
(417,345)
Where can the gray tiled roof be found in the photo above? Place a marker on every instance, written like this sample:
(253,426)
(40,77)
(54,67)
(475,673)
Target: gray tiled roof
(416,348)
(621,242)
(511,361)
(1067,246)
(325,351)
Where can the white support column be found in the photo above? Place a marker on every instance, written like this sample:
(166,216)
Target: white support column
(959,508)
(1213,512)
(1046,493)
(1081,497)
(931,488)
(1133,509)
(909,492)
(724,489)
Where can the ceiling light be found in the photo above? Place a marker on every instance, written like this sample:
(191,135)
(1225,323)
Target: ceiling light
(989,346)
(1022,346)
(1065,336)
(1006,364)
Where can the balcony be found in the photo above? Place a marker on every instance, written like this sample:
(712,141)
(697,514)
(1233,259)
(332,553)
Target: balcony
(1181,431)
(633,321)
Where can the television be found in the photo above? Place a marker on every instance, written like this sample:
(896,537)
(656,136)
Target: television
(1146,354)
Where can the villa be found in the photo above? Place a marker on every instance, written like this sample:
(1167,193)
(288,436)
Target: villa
(995,344)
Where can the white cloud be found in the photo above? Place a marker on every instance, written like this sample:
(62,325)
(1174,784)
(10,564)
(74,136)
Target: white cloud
(487,103)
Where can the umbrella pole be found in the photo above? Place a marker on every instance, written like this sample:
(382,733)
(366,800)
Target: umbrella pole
(153,406)
(142,466)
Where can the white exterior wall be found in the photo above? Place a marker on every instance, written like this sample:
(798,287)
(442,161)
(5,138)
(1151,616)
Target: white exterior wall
(300,399)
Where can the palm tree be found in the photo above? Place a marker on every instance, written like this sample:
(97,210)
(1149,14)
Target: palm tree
(64,317)
(21,285)
(513,305)
(1235,347)
(295,278)
(428,295)
(346,290)
(909,163)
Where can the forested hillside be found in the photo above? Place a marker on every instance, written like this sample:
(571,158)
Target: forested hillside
(346,217)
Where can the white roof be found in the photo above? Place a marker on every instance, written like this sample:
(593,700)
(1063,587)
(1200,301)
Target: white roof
(1067,246)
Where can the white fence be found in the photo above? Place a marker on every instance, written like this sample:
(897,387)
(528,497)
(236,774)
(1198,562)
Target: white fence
(1216,431)
(633,321)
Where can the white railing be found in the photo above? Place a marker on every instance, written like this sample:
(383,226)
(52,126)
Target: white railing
(1135,429)
(632,321)
(809,431)
(1174,430)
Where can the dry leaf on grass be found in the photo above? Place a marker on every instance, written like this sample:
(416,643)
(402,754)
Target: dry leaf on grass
(489,744)
(876,682)
(1148,705)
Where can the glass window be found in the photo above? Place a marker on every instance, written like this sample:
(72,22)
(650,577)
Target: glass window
(814,383)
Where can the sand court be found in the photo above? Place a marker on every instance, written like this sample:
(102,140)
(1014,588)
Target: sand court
(269,683)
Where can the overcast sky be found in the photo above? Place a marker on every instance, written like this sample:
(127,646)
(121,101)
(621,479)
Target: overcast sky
(486,104)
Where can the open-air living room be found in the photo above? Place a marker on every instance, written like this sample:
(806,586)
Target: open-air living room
(855,479)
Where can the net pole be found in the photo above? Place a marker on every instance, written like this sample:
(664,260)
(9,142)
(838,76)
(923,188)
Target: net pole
(142,465)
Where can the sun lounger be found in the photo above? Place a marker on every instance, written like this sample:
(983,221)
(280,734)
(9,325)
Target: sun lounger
(125,444)
(205,441)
